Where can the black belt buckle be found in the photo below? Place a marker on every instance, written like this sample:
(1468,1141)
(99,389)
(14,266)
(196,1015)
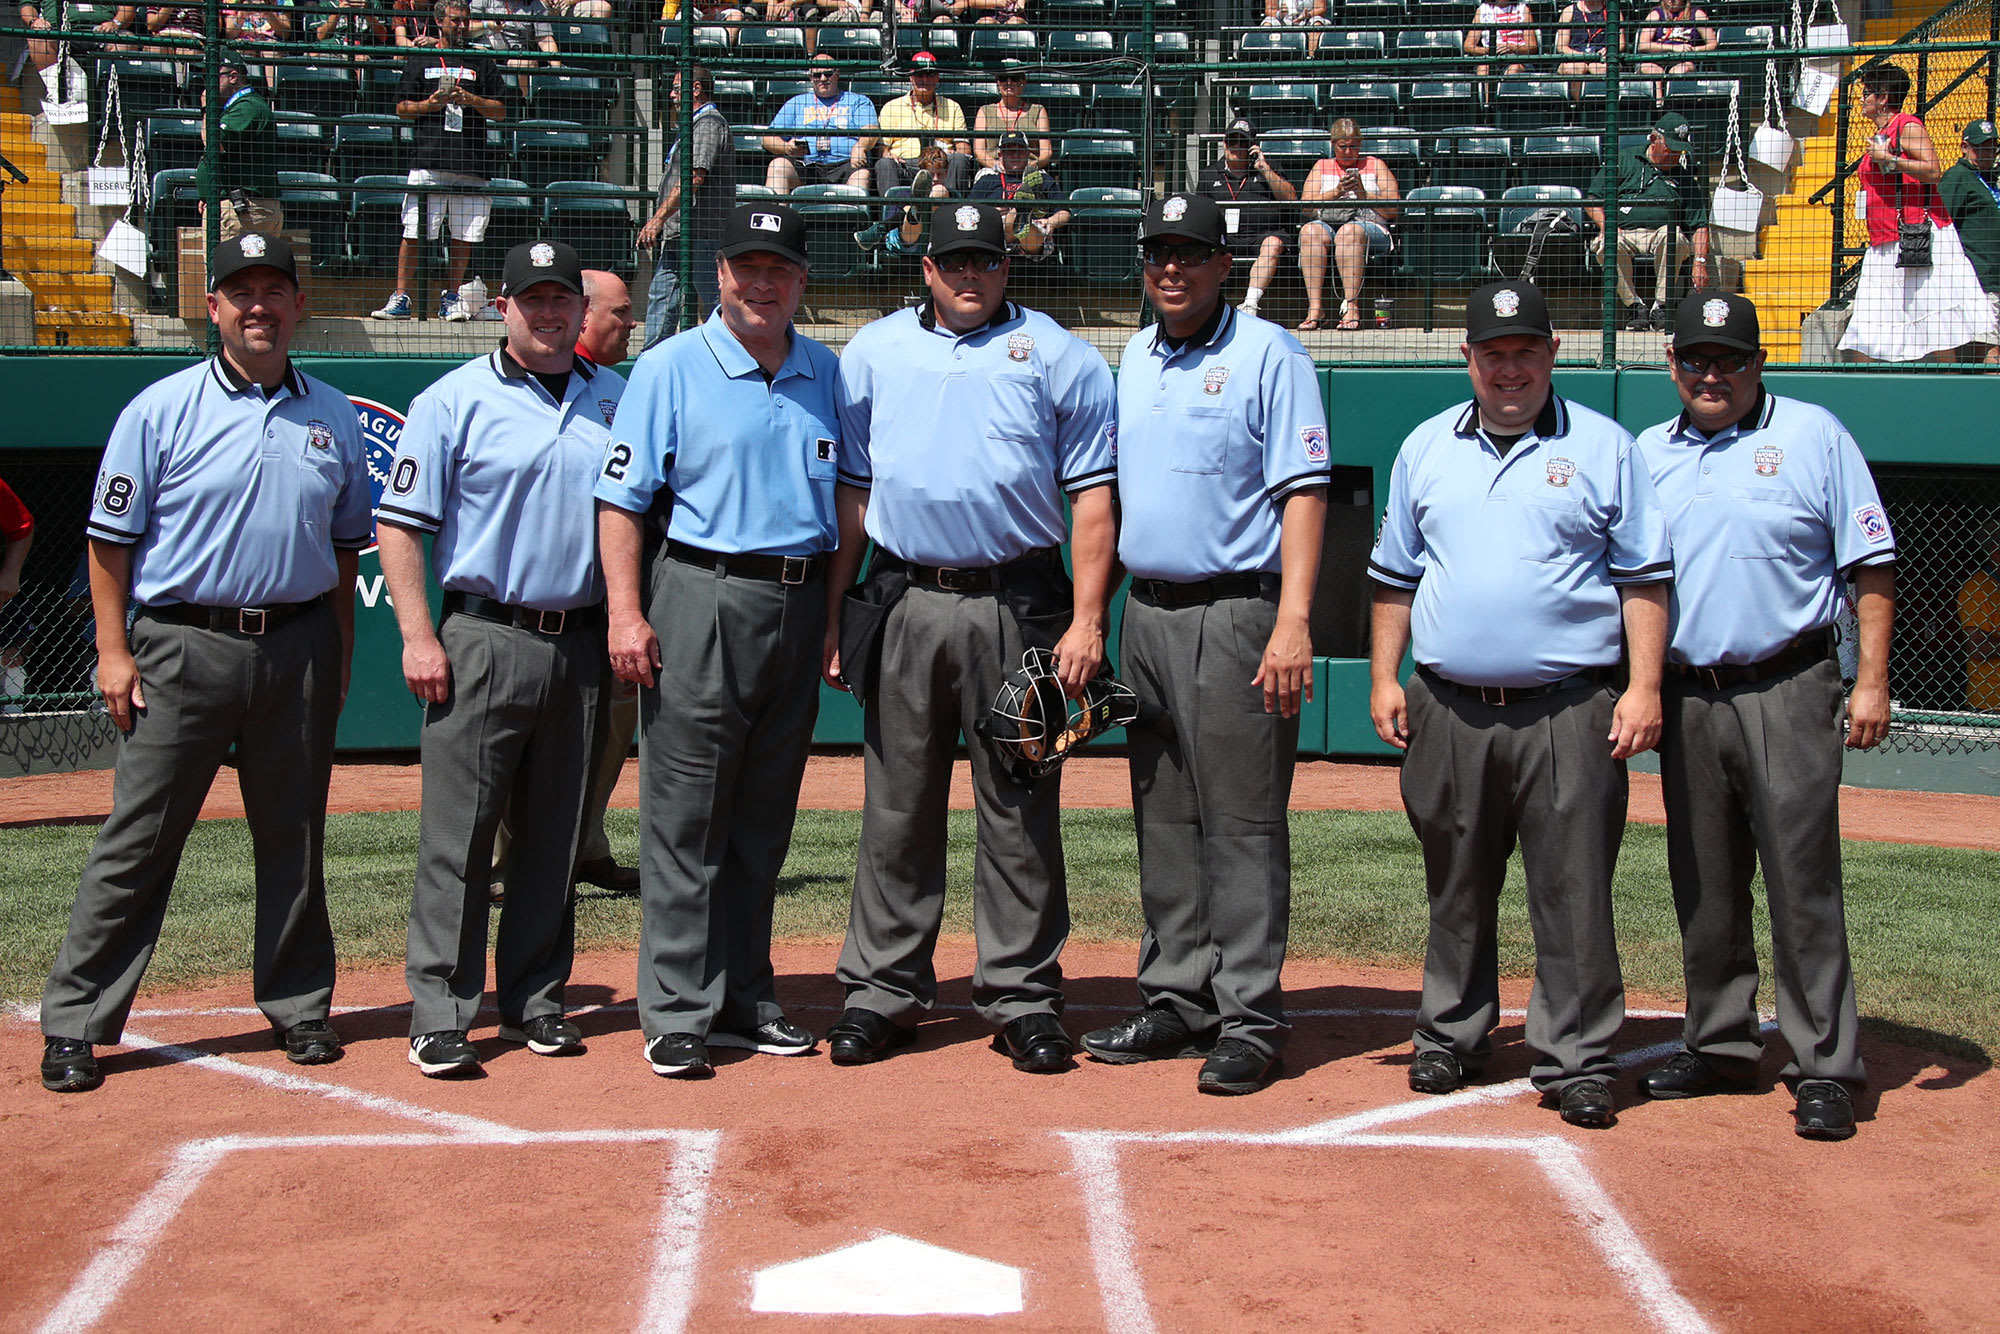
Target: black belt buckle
(253,620)
(1494,695)
(1709,676)
(543,625)
(794,569)
(959,581)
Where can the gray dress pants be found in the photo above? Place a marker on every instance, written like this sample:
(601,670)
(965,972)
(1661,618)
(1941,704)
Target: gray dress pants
(1750,772)
(1478,777)
(943,658)
(1215,853)
(521,725)
(723,751)
(276,698)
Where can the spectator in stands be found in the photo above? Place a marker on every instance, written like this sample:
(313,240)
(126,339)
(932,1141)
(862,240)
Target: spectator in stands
(1662,210)
(1672,33)
(1012,112)
(73,17)
(1501,30)
(351,23)
(1903,310)
(1297,14)
(1357,193)
(514,26)
(246,156)
(906,223)
(795,11)
(670,12)
(257,28)
(1582,38)
(1238,181)
(854,13)
(1973,200)
(992,11)
(834,146)
(925,11)
(713,159)
(448,102)
(918,117)
(17,534)
(175,21)
(1021,191)
(412,24)
(1979,618)
(588,10)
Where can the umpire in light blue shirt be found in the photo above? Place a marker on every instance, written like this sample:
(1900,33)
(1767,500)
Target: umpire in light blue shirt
(1771,506)
(964,423)
(231,505)
(1522,535)
(497,461)
(1222,476)
(733,425)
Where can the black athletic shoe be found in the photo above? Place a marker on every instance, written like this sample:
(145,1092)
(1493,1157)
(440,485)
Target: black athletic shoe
(443,1054)
(1235,1067)
(1587,1103)
(1036,1044)
(679,1056)
(310,1042)
(546,1035)
(1438,1072)
(68,1066)
(779,1037)
(1638,319)
(1155,1033)
(1825,1110)
(1689,1076)
(861,1036)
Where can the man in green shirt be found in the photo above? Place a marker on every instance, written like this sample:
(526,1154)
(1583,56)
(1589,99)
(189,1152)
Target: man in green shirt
(1662,208)
(1974,204)
(245,161)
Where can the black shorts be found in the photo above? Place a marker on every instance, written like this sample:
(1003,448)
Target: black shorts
(825,173)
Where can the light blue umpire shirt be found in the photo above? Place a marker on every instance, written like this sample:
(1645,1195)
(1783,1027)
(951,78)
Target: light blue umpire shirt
(750,463)
(502,473)
(1766,516)
(968,442)
(1516,561)
(1213,436)
(229,498)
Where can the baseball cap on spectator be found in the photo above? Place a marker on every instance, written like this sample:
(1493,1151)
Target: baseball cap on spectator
(1722,318)
(1979,132)
(1011,68)
(1013,139)
(1242,129)
(967,227)
(1503,308)
(534,262)
(1196,217)
(772,227)
(923,62)
(252,250)
(1673,127)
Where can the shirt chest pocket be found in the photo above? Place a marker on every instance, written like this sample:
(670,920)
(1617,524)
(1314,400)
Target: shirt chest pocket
(320,467)
(1014,407)
(1763,523)
(1199,440)
(1551,528)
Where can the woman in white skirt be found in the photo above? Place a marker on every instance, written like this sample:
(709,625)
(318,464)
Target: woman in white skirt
(1908,314)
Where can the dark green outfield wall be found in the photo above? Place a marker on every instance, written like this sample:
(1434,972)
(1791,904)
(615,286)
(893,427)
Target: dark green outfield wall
(1943,420)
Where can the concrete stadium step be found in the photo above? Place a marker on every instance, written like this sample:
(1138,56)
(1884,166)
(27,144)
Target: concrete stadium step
(70,291)
(47,254)
(82,328)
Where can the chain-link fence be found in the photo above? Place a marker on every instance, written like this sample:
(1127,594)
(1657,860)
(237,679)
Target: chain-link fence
(47,639)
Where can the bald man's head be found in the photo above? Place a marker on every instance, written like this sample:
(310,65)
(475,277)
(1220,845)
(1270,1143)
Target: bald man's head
(607,318)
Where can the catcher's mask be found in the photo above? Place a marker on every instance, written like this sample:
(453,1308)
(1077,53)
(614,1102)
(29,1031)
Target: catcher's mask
(1035,727)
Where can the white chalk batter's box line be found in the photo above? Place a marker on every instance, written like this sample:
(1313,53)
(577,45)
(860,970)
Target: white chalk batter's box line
(677,1233)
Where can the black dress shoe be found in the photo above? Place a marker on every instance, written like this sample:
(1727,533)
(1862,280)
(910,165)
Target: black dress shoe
(860,1036)
(68,1066)
(1689,1076)
(1235,1067)
(1825,1110)
(606,873)
(309,1042)
(1587,1103)
(1155,1033)
(1439,1072)
(1036,1044)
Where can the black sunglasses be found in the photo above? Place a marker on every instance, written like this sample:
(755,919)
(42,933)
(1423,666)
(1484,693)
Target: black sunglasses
(1187,254)
(959,261)
(1729,363)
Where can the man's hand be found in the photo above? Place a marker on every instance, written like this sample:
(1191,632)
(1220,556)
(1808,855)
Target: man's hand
(10,584)
(1079,655)
(427,670)
(1389,710)
(635,650)
(1635,723)
(796,147)
(829,658)
(1286,673)
(118,678)
(1867,716)
(649,235)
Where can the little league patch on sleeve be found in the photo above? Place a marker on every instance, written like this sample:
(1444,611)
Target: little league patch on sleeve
(1314,439)
(1873,523)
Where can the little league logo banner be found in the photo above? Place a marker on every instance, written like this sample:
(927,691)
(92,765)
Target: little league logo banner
(381,429)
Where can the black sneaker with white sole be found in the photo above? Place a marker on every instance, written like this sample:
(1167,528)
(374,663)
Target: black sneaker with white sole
(679,1056)
(779,1037)
(546,1035)
(443,1053)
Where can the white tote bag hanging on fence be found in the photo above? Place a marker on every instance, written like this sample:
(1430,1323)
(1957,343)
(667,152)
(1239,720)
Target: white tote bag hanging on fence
(124,245)
(1819,76)
(1771,145)
(65,90)
(1736,210)
(110,184)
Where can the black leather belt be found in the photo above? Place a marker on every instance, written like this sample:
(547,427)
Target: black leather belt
(1502,695)
(523,618)
(241,620)
(777,569)
(984,579)
(1202,592)
(1809,648)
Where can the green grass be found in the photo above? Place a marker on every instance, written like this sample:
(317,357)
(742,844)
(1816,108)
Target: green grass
(1922,920)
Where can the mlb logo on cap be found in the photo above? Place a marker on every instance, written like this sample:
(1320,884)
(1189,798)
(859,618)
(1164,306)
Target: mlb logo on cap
(773,228)
(767,222)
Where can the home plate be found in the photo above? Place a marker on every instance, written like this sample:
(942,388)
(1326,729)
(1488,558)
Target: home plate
(890,1275)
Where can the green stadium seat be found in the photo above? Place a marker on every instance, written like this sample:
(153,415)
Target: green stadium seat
(776,93)
(314,203)
(583,36)
(1422,46)
(845,42)
(760,42)
(1521,104)
(994,42)
(940,40)
(378,84)
(172,138)
(596,219)
(1293,152)
(877,91)
(832,213)
(1400,149)
(1569,158)
(1065,102)
(1131,14)
(1168,47)
(1435,103)
(303,142)
(1103,222)
(1075,47)
(517,217)
(1635,104)
(1122,106)
(324,91)
(1351,44)
(1372,13)
(1076,15)
(1444,233)
(1369,102)
(1285,103)
(1266,44)
(711,41)
(738,100)
(1562,254)
(970,94)
(1477,156)
(749,193)
(1742,37)
(175,203)
(1705,103)
(1098,161)
(369,146)
(570,94)
(553,150)
(375,223)
(750,158)
(145,84)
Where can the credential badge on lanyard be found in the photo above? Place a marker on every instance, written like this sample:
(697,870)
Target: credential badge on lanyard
(454,114)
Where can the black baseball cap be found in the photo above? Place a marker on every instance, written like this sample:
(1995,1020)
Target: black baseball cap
(967,227)
(252,250)
(1197,217)
(1722,318)
(1499,309)
(774,227)
(1674,128)
(534,262)
(1013,139)
(1240,128)
(1979,132)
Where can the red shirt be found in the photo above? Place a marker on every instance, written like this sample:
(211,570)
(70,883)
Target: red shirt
(15,521)
(1894,197)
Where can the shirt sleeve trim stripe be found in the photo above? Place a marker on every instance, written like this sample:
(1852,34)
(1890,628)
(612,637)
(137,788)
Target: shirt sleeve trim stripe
(1659,567)
(849,479)
(1872,558)
(1299,480)
(113,535)
(1388,576)
(1090,479)
(403,518)
(352,543)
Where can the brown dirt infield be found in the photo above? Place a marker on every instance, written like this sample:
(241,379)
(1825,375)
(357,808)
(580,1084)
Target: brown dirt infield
(1478,1212)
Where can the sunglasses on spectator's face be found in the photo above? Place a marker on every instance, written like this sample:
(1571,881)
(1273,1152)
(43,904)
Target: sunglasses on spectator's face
(825,74)
(1696,366)
(954,265)
(1187,254)
(1013,78)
